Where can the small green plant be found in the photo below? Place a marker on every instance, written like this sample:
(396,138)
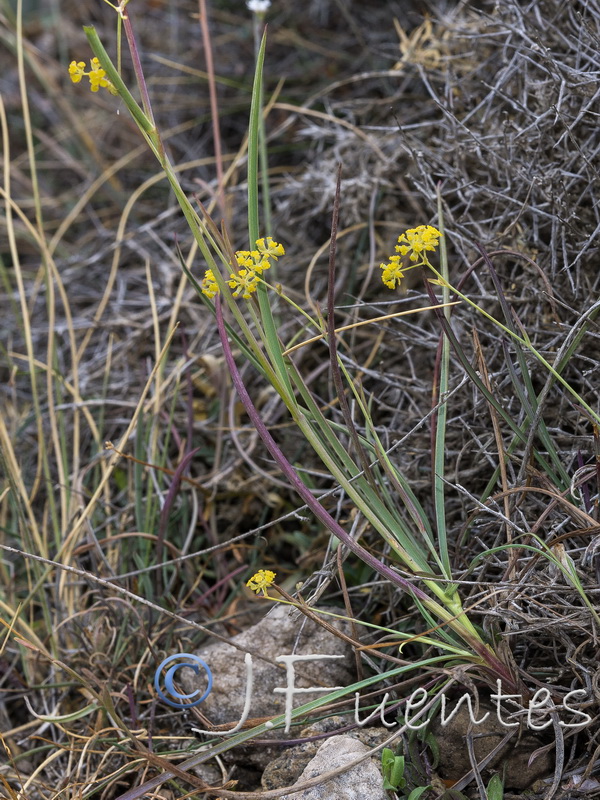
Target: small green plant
(392,767)
(495,788)
(366,473)
(396,776)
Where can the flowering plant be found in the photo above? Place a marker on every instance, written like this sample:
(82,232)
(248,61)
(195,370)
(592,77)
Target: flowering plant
(411,538)
(416,560)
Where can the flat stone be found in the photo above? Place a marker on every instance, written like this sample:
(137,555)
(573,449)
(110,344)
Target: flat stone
(362,782)
(286,768)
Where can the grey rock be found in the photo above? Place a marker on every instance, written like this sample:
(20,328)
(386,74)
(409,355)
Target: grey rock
(286,768)
(362,782)
(283,631)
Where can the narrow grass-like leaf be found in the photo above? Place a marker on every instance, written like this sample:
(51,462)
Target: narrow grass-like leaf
(528,397)
(331,340)
(440,415)
(481,386)
(271,339)
(526,343)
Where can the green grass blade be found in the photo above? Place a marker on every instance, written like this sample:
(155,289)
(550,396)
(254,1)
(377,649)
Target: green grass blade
(439,418)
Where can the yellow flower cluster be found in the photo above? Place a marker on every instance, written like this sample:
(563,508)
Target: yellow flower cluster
(392,272)
(414,243)
(251,263)
(261,581)
(96,75)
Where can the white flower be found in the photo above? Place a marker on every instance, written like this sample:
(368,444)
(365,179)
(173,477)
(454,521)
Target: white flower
(258,6)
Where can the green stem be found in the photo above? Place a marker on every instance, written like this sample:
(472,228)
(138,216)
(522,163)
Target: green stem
(525,342)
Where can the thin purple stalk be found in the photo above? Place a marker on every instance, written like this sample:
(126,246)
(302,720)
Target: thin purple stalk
(132,710)
(336,373)
(139,74)
(585,489)
(318,510)
(219,585)
(166,509)
(189,399)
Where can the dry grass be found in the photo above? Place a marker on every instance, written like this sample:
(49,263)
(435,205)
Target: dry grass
(500,105)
